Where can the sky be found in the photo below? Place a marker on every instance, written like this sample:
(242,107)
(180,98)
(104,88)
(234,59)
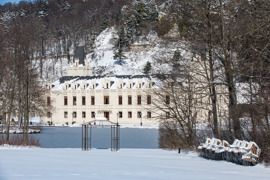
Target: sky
(6,1)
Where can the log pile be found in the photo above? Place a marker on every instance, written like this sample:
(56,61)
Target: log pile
(240,152)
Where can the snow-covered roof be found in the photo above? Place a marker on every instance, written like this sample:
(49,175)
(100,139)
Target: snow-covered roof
(103,82)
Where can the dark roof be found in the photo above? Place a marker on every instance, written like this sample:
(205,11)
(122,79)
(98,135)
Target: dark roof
(67,78)
(80,54)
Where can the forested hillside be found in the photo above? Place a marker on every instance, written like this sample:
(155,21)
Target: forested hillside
(229,38)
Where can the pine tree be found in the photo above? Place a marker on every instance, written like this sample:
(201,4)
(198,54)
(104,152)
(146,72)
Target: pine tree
(119,56)
(147,68)
(176,58)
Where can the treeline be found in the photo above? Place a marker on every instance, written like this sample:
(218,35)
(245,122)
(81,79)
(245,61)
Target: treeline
(63,24)
(32,31)
(232,40)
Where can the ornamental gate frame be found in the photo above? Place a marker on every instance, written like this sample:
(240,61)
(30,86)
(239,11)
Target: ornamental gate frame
(87,135)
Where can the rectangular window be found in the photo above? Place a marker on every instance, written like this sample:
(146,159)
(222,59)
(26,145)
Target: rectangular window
(83,100)
(65,100)
(74,114)
(106,100)
(120,100)
(139,114)
(107,115)
(120,114)
(148,99)
(167,99)
(65,114)
(92,100)
(129,100)
(49,115)
(139,99)
(93,114)
(48,101)
(74,101)
(140,85)
(129,114)
(83,114)
(149,114)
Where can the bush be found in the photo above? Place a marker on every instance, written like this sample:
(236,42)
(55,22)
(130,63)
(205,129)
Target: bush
(17,140)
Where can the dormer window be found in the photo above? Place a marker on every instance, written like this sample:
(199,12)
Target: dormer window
(93,86)
(75,87)
(130,85)
(76,64)
(83,86)
(140,85)
(107,85)
(66,86)
(149,85)
(121,86)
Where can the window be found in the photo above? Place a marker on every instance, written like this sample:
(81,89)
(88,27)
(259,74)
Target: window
(92,100)
(106,100)
(121,86)
(167,99)
(49,115)
(120,114)
(120,100)
(148,114)
(167,114)
(93,86)
(48,101)
(83,101)
(129,114)
(107,85)
(93,114)
(129,100)
(107,115)
(130,85)
(139,114)
(148,99)
(65,100)
(65,114)
(74,114)
(83,114)
(140,85)
(139,99)
(74,101)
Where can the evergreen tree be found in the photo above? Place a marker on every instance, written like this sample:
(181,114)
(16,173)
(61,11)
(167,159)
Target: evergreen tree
(147,68)
(176,59)
(119,56)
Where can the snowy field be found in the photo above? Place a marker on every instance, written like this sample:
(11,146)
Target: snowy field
(67,164)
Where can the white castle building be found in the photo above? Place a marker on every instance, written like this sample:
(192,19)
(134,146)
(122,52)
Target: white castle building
(81,97)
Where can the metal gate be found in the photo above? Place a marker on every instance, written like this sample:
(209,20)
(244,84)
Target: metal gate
(87,137)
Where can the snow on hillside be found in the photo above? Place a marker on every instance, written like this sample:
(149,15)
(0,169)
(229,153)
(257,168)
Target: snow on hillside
(67,164)
(102,58)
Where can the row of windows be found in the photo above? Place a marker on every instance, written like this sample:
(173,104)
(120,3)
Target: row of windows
(106,86)
(93,114)
(107,100)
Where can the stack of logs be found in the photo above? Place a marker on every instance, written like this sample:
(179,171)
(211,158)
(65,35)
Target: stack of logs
(240,152)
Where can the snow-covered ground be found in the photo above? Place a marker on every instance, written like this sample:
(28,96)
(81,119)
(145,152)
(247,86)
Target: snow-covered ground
(66,164)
